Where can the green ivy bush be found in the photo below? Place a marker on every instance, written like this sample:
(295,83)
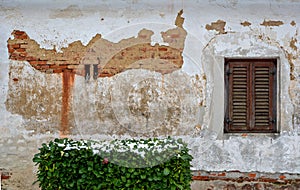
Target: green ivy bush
(120,164)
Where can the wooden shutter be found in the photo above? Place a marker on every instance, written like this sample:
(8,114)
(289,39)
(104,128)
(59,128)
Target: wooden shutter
(250,95)
(264,96)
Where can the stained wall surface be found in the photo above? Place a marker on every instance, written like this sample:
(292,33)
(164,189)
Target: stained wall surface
(131,69)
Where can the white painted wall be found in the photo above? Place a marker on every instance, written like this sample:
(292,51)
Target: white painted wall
(58,23)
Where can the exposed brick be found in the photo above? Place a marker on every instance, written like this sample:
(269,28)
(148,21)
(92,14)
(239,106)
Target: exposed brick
(163,49)
(21,50)
(143,49)
(222,174)
(23,54)
(282,177)
(204,178)
(11,50)
(58,66)
(18,32)
(57,70)
(49,71)
(22,37)
(43,67)
(23,45)
(14,46)
(252,175)
(30,58)
(38,62)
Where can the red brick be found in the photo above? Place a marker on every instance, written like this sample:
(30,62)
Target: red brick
(21,50)
(14,56)
(25,45)
(4,176)
(59,66)
(23,54)
(141,49)
(43,66)
(30,58)
(18,32)
(15,46)
(252,175)
(202,178)
(22,37)
(57,70)
(282,177)
(163,49)
(11,50)
(222,174)
(38,62)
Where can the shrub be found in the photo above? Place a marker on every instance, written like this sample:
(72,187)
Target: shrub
(119,164)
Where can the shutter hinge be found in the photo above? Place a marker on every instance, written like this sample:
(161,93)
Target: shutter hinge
(272,71)
(228,72)
(272,120)
(228,121)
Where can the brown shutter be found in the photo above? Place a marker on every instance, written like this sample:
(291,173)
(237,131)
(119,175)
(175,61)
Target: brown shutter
(238,112)
(264,96)
(250,95)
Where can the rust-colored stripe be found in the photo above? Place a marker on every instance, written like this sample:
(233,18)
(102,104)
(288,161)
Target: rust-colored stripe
(67,82)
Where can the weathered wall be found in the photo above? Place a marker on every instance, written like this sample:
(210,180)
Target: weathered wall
(118,69)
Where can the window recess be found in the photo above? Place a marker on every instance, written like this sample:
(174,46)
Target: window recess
(250,95)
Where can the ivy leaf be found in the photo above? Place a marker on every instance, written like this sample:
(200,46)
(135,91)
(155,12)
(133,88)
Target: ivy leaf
(166,171)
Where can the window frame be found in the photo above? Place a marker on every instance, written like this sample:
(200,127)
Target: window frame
(249,64)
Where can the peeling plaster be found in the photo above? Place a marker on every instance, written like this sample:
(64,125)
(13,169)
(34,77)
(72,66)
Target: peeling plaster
(179,20)
(293,43)
(293,23)
(72,11)
(245,23)
(121,105)
(271,23)
(217,26)
(99,58)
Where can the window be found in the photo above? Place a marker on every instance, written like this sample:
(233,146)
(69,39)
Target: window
(250,95)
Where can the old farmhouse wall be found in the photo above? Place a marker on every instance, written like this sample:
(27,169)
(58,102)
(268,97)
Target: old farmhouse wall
(133,69)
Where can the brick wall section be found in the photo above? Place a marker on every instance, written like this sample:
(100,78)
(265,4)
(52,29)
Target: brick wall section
(162,59)
(22,48)
(110,58)
(250,177)
(99,58)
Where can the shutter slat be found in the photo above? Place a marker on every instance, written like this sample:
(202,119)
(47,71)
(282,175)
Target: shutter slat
(261,96)
(239,111)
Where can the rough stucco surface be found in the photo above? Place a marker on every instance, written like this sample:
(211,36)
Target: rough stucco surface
(159,72)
